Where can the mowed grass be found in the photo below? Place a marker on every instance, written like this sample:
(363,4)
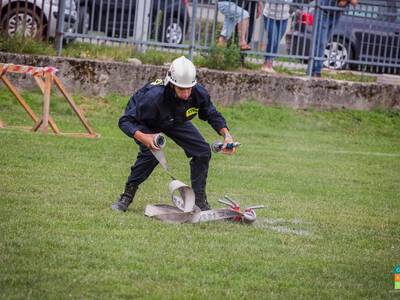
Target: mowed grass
(330,182)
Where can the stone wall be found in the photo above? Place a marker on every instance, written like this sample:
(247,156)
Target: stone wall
(90,77)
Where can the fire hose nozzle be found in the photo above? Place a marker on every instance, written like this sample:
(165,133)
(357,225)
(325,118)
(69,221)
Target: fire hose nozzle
(159,140)
(217,146)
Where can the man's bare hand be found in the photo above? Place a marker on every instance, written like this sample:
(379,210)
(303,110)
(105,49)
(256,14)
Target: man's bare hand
(354,2)
(228,140)
(146,139)
(343,3)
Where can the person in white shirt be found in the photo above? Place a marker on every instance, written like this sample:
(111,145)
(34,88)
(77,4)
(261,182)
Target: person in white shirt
(276,17)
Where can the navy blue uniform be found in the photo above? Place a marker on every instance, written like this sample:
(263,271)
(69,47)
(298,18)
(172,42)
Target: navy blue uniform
(155,108)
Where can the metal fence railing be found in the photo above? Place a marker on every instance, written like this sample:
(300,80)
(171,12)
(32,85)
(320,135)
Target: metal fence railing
(366,37)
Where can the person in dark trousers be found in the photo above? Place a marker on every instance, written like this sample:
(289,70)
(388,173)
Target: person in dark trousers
(327,21)
(168,107)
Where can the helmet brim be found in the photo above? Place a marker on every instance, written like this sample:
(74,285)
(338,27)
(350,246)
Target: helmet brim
(184,86)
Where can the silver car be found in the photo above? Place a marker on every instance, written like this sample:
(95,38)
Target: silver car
(35,18)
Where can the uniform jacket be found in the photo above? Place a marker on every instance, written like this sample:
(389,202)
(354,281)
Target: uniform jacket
(155,107)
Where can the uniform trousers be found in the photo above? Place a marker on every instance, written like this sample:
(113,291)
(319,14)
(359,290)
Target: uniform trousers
(188,137)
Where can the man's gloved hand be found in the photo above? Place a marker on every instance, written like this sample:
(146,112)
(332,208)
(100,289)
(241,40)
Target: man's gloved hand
(228,139)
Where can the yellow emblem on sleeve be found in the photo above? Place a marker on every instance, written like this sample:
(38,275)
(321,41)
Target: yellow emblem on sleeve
(192,111)
(157,82)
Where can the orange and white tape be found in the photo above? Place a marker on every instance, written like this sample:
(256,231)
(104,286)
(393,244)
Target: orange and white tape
(21,69)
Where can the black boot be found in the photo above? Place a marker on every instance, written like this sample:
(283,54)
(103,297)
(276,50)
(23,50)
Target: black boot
(201,201)
(126,198)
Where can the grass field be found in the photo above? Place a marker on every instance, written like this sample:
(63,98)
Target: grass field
(330,181)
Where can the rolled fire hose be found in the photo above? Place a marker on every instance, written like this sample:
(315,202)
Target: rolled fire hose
(182,196)
(185,211)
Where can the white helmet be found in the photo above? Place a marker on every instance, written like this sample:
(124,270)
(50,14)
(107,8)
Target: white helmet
(181,73)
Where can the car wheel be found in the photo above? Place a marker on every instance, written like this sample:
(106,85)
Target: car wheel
(173,33)
(23,23)
(336,55)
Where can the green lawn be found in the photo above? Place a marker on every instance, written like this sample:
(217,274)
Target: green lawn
(330,181)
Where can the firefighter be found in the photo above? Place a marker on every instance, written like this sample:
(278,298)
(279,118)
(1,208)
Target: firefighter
(167,107)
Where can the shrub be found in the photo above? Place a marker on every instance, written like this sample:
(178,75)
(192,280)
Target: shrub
(20,44)
(104,52)
(221,58)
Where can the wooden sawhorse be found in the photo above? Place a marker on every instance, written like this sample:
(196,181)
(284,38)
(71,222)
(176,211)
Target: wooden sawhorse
(44,77)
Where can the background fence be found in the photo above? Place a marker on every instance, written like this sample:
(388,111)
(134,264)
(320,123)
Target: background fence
(366,38)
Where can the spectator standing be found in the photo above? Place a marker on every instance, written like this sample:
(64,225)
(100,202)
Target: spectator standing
(328,18)
(255,11)
(276,17)
(234,15)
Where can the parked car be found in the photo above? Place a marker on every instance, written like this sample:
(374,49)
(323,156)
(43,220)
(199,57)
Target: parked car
(169,19)
(367,33)
(35,18)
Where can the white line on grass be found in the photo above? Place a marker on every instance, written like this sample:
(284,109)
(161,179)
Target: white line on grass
(278,226)
(296,149)
(365,153)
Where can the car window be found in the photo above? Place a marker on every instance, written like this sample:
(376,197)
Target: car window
(379,10)
(364,11)
(398,15)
